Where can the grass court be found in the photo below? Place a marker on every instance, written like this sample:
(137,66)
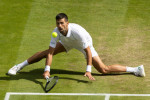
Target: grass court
(121,35)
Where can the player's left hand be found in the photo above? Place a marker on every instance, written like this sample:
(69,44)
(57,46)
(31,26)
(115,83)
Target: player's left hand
(89,75)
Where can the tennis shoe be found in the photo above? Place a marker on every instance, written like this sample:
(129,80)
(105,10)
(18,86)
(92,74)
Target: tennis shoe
(14,70)
(140,71)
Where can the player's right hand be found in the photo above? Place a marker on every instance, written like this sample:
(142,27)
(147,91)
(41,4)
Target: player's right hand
(46,73)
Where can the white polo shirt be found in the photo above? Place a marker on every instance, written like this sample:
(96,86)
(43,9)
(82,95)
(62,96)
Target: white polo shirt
(77,37)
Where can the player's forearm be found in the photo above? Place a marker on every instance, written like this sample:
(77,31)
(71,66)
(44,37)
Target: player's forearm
(89,59)
(89,56)
(49,56)
(48,62)
(89,63)
(49,59)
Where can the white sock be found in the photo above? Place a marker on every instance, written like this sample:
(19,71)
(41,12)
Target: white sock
(23,64)
(131,69)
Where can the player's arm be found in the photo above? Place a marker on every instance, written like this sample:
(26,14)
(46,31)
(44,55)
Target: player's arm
(80,36)
(89,63)
(48,62)
(49,57)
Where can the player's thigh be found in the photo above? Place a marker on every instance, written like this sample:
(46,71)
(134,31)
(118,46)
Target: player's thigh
(59,48)
(98,64)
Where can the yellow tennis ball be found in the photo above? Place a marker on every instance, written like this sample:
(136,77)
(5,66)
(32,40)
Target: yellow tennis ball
(54,34)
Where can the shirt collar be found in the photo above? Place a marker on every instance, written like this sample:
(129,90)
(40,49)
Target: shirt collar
(69,31)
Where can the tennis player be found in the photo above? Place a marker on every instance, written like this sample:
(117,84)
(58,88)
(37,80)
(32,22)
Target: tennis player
(70,36)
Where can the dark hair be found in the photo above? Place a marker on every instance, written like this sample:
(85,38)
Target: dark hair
(61,16)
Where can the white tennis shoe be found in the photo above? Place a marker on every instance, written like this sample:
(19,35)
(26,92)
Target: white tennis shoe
(14,70)
(140,71)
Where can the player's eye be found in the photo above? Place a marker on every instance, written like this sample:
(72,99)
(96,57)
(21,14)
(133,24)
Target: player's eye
(61,22)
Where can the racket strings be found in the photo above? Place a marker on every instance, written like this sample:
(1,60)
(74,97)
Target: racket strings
(50,84)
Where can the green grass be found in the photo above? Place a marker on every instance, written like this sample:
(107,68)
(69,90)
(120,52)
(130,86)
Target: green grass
(120,32)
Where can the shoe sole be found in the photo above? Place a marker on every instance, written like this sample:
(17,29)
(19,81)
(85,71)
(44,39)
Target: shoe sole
(10,74)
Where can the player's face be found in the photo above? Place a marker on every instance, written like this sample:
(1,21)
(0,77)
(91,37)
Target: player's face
(62,26)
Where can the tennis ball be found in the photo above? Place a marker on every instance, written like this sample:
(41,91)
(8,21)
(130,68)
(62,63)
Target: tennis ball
(54,34)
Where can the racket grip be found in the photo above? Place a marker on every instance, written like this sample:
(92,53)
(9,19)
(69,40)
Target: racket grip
(47,77)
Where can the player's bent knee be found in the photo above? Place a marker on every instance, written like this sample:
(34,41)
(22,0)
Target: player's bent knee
(105,70)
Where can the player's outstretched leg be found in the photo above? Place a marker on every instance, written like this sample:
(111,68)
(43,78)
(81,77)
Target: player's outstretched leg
(35,58)
(102,68)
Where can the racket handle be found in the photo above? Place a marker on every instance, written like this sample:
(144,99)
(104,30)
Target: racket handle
(47,77)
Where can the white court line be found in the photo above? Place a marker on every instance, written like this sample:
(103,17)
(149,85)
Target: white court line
(107,96)
(7,96)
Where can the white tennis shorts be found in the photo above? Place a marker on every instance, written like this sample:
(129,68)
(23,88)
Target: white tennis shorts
(93,51)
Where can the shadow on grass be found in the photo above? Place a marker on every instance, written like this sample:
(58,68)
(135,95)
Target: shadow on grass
(35,74)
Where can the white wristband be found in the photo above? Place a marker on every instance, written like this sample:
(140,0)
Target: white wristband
(47,68)
(89,68)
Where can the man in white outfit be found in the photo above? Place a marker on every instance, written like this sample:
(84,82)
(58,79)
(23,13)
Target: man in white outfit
(74,36)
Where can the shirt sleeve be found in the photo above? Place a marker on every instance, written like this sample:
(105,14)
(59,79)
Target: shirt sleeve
(53,41)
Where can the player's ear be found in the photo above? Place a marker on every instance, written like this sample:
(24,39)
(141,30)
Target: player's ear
(67,22)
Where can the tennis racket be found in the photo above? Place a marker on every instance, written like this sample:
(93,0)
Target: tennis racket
(51,82)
